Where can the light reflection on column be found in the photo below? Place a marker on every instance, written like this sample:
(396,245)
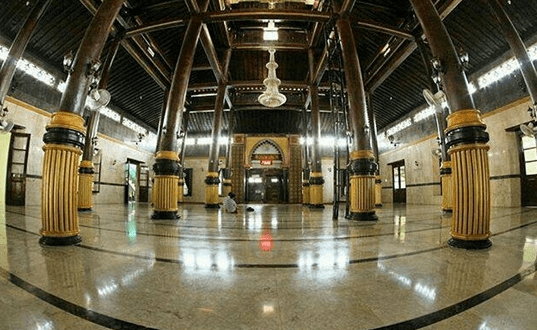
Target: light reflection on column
(530,253)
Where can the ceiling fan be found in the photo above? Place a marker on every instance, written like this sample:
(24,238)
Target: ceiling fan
(528,130)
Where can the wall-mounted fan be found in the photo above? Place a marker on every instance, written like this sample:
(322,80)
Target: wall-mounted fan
(98,98)
(434,100)
(528,130)
(6,125)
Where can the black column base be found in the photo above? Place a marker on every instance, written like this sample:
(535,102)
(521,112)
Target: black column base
(378,205)
(165,215)
(60,241)
(365,216)
(305,204)
(212,206)
(84,209)
(316,206)
(470,245)
(447,211)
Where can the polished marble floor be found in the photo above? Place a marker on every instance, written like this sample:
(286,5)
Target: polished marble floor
(279,267)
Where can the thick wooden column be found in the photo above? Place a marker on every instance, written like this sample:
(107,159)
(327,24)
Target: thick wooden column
(7,71)
(86,170)
(466,138)
(228,185)
(362,166)
(517,46)
(167,168)
(316,180)
(305,161)
(64,138)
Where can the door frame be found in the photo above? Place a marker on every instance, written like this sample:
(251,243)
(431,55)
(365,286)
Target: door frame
(398,164)
(9,175)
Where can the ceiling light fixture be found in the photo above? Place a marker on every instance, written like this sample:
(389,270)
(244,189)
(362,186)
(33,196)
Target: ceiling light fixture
(272,98)
(270,33)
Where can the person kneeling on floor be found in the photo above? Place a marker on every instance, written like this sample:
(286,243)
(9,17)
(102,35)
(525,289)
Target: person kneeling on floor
(229,203)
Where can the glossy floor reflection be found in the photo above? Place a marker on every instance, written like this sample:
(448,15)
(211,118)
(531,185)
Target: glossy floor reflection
(279,267)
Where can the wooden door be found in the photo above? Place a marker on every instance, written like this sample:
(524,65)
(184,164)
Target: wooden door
(16,169)
(144,184)
(399,182)
(528,170)
(273,186)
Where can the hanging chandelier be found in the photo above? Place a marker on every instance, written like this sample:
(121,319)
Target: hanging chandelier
(272,98)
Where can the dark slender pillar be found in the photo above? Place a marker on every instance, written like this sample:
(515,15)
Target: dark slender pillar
(65,137)
(362,166)
(305,162)
(167,167)
(162,118)
(374,143)
(466,138)
(316,180)
(212,180)
(517,46)
(228,186)
(86,170)
(445,167)
(181,181)
(7,71)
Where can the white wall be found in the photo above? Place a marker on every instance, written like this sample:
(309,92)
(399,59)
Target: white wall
(503,161)
(34,120)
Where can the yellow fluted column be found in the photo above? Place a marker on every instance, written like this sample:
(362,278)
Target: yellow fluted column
(59,200)
(447,186)
(85,186)
(466,139)
(378,191)
(211,190)
(228,187)
(305,192)
(316,190)
(166,185)
(362,170)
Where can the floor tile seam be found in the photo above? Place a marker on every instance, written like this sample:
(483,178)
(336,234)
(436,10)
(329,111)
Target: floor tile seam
(327,227)
(70,307)
(241,265)
(260,232)
(462,306)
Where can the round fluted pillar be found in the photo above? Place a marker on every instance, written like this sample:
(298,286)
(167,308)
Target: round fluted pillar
(467,142)
(166,185)
(211,190)
(362,169)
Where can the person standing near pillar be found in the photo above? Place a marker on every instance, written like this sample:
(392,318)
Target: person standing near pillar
(167,167)
(316,180)
(64,138)
(86,170)
(362,166)
(466,137)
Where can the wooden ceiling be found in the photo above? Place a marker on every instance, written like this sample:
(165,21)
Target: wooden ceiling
(154,33)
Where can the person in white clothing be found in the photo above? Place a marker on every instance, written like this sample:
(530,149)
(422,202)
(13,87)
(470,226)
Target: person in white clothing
(229,203)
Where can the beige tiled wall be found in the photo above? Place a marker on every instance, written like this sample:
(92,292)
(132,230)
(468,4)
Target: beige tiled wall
(503,160)
(34,120)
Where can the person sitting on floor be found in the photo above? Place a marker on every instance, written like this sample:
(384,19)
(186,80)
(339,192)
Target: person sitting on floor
(229,203)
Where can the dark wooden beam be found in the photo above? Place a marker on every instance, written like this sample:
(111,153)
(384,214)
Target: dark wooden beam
(392,63)
(263,14)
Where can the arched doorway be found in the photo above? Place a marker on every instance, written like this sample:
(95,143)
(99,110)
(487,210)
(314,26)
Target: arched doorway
(266,179)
